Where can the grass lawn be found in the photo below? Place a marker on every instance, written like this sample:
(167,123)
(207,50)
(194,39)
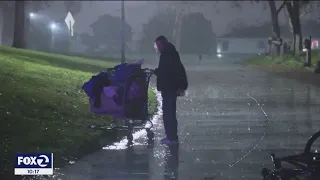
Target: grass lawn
(43,108)
(289,62)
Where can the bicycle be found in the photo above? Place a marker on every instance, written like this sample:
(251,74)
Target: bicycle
(307,163)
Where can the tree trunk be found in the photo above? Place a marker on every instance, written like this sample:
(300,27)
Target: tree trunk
(291,31)
(177,29)
(181,11)
(19,25)
(2,24)
(296,25)
(275,23)
(293,10)
(7,25)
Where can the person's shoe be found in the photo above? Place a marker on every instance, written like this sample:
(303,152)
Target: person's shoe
(168,142)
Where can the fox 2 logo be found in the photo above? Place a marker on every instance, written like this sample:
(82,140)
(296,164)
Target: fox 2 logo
(43,160)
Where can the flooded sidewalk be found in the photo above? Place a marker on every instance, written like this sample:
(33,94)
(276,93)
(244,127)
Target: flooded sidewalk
(230,120)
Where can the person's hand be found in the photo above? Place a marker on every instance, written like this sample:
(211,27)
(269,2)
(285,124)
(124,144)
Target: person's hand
(181,92)
(155,71)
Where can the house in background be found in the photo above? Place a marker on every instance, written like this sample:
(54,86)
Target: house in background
(241,45)
(254,39)
(247,40)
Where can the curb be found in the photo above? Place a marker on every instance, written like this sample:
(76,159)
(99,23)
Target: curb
(156,108)
(151,116)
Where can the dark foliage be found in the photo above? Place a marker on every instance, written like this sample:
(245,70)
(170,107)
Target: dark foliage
(160,24)
(106,36)
(196,33)
(262,31)
(39,36)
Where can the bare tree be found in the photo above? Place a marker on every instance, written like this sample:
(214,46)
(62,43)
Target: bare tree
(181,8)
(295,10)
(310,8)
(274,12)
(22,20)
(19,25)
(6,8)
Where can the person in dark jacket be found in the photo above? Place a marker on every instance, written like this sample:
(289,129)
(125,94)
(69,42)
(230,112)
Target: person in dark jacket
(172,82)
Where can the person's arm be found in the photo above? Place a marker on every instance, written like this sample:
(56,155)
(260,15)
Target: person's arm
(156,71)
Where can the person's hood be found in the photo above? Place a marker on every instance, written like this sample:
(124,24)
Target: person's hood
(169,47)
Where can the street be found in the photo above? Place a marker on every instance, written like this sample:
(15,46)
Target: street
(230,120)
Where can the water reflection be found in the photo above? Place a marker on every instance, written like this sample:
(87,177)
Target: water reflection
(129,160)
(137,163)
(308,104)
(171,162)
(150,143)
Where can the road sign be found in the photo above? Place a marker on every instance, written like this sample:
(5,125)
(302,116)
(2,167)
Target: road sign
(70,22)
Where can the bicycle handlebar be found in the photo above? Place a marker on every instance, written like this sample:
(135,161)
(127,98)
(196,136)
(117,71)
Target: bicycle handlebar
(305,163)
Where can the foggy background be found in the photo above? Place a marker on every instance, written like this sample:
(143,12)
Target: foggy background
(223,16)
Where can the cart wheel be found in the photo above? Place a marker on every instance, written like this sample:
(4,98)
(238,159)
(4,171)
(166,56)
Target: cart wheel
(130,137)
(150,134)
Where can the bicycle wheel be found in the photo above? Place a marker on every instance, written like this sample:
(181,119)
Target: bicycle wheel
(311,141)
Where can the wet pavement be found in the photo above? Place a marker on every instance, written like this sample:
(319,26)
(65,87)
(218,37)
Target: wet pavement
(230,120)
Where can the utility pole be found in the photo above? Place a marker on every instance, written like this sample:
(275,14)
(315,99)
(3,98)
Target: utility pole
(123,60)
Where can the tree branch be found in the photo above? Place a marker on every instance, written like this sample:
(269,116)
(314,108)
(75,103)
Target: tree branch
(289,9)
(281,7)
(305,12)
(303,3)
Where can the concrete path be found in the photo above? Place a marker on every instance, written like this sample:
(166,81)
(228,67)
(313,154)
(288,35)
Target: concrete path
(229,122)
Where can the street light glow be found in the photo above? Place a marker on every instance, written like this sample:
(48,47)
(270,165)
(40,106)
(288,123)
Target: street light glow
(53,26)
(31,15)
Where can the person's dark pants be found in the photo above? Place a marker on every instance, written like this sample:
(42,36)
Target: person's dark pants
(169,107)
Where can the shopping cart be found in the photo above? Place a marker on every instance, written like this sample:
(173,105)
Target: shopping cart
(134,113)
(307,165)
